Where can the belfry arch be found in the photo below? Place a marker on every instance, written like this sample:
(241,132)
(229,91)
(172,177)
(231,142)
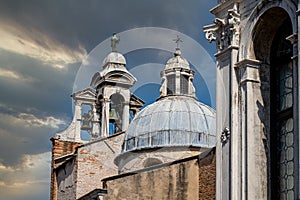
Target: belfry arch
(116,111)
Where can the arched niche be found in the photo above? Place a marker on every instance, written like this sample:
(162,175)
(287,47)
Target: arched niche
(116,110)
(270,46)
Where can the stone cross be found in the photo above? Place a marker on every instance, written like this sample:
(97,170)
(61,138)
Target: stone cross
(114,41)
(177,40)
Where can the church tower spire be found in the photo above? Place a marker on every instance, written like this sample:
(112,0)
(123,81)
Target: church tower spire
(177,77)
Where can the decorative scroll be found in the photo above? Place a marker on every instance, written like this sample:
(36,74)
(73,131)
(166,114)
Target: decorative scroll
(225,135)
(225,32)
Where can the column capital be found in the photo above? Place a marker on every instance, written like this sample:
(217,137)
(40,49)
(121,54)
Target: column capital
(225,31)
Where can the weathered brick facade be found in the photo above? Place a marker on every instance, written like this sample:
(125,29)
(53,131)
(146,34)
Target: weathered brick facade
(77,168)
(95,161)
(207,177)
(59,149)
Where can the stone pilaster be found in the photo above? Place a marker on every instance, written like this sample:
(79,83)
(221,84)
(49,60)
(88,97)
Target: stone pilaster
(77,114)
(253,164)
(177,81)
(225,31)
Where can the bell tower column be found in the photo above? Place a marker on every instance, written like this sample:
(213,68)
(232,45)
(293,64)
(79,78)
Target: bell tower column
(95,122)
(77,116)
(125,117)
(105,118)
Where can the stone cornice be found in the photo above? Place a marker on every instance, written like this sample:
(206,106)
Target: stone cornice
(249,70)
(227,50)
(249,62)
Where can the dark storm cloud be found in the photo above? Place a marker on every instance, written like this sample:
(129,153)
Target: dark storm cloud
(25,140)
(49,90)
(91,21)
(48,94)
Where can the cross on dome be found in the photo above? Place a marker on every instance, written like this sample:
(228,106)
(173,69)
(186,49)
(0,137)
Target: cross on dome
(177,40)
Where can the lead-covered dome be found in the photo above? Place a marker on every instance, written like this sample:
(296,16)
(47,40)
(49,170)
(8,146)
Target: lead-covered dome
(177,61)
(115,58)
(172,121)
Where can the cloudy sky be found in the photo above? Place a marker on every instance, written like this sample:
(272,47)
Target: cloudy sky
(42,46)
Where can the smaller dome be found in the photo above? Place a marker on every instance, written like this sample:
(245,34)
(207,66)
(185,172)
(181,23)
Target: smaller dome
(172,121)
(114,57)
(177,61)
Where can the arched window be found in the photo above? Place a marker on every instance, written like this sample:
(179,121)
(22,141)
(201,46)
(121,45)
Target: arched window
(282,160)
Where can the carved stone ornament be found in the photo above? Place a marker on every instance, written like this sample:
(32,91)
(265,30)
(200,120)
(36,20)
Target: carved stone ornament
(225,135)
(114,41)
(226,31)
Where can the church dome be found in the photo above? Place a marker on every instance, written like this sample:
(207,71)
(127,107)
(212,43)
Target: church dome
(172,121)
(114,57)
(177,61)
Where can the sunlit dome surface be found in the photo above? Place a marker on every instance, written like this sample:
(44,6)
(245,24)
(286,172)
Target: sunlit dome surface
(172,121)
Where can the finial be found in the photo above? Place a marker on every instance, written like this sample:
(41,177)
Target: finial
(114,41)
(177,40)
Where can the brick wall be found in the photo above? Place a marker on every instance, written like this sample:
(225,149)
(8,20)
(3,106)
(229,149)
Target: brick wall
(207,177)
(95,161)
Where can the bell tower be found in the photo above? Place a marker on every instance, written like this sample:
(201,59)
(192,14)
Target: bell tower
(113,95)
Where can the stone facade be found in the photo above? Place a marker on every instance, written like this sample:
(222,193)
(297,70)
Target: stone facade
(246,34)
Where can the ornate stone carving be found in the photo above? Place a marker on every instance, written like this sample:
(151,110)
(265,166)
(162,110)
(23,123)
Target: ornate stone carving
(225,135)
(226,31)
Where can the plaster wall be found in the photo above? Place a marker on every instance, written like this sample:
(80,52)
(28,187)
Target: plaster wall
(192,178)
(66,175)
(173,182)
(131,161)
